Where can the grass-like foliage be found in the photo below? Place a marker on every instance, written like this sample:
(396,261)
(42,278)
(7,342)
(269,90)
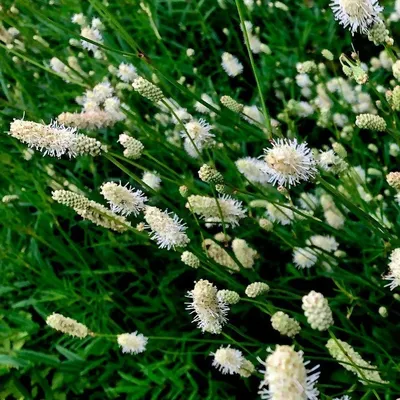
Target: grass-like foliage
(199,199)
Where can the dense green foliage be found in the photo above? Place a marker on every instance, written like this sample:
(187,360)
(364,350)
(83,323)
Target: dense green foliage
(53,261)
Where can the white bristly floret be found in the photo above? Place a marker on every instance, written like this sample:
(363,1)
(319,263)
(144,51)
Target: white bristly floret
(197,135)
(228,360)
(282,215)
(394,269)
(231,65)
(92,34)
(253,170)
(132,343)
(327,243)
(288,163)
(287,377)
(123,199)
(166,229)
(358,15)
(210,311)
(127,72)
(211,211)
(152,180)
(304,257)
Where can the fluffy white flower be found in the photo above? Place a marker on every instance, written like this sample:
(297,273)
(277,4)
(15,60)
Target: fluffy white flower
(208,208)
(92,34)
(197,135)
(57,65)
(127,72)
(304,257)
(228,360)
(253,170)
(152,179)
(202,108)
(123,199)
(394,269)
(327,243)
(252,113)
(231,65)
(210,312)
(288,162)
(168,231)
(282,215)
(132,343)
(54,139)
(287,377)
(358,15)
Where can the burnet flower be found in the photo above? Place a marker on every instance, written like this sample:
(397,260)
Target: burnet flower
(244,253)
(228,360)
(349,359)
(256,289)
(133,148)
(304,257)
(358,15)
(92,211)
(208,208)
(166,228)
(67,325)
(231,361)
(317,311)
(152,180)
(197,136)
(54,139)
(288,163)
(231,65)
(127,72)
(284,324)
(123,199)
(132,343)
(253,169)
(287,377)
(210,311)
(394,269)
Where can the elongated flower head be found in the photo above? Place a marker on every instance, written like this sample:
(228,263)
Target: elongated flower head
(228,296)
(123,199)
(231,104)
(256,289)
(220,255)
(228,360)
(54,139)
(190,259)
(357,15)
(208,208)
(317,311)
(284,324)
(92,211)
(133,147)
(166,229)
(210,175)
(244,253)
(210,312)
(231,65)
(67,325)
(304,257)
(253,169)
(147,89)
(371,122)
(127,72)
(132,343)
(394,269)
(289,163)
(197,136)
(287,377)
(349,359)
